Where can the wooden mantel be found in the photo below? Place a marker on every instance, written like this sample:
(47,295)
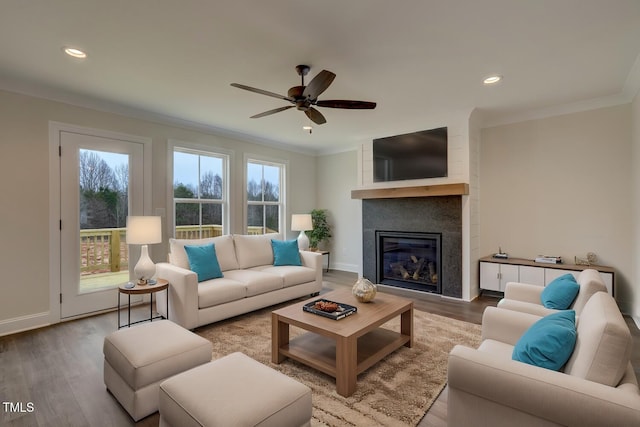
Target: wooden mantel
(417,191)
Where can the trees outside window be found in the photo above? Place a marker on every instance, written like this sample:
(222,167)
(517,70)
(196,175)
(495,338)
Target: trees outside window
(265,204)
(199,193)
(104,186)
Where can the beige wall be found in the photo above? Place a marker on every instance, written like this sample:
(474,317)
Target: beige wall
(561,186)
(337,176)
(24,163)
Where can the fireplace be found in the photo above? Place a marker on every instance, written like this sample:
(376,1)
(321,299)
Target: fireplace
(416,217)
(409,260)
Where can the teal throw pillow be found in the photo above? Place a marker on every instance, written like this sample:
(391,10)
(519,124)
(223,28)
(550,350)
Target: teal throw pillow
(560,293)
(549,342)
(204,262)
(285,252)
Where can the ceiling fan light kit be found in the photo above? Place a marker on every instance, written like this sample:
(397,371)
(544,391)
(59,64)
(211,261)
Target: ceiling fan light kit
(304,98)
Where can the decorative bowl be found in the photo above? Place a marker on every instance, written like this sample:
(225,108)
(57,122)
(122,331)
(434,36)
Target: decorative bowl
(364,290)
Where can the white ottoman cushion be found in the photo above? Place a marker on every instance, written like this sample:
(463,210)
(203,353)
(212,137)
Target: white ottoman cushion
(137,359)
(234,390)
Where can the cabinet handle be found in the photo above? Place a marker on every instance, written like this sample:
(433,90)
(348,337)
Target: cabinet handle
(499,275)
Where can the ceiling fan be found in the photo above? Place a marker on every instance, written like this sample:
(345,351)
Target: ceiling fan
(304,98)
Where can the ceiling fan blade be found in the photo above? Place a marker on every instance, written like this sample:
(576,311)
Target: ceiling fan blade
(319,84)
(262,92)
(352,105)
(315,116)
(268,113)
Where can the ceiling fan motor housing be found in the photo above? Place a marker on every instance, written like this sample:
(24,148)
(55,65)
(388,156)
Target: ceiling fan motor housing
(302,102)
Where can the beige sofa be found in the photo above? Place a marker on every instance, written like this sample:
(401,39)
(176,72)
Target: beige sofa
(526,298)
(597,386)
(250,281)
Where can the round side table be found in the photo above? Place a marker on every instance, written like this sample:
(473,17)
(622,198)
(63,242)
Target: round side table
(161,285)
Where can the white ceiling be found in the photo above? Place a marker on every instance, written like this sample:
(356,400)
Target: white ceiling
(420,60)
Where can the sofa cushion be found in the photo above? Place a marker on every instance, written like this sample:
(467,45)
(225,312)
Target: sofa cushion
(252,251)
(560,293)
(549,342)
(291,274)
(603,347)
(203,261)
(225,251)
(256,282)
(285,252)
(220,291)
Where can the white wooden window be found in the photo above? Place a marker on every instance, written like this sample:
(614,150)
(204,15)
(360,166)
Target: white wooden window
(265,196)
(200,193)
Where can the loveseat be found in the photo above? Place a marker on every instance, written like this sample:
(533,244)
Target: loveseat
(596,387)
(526,298)
(250,279)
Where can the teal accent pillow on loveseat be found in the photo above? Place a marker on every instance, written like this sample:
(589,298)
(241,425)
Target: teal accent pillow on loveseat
(560,293)
(549,342)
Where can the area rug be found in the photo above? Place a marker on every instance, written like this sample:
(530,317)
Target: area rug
(397,391)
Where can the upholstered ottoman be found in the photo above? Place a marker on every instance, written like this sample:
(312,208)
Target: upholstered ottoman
(237,391)
(138,359)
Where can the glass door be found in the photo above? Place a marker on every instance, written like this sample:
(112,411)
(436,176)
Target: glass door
(101,183)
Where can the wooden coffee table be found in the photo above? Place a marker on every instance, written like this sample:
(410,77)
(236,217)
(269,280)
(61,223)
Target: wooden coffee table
(342,348)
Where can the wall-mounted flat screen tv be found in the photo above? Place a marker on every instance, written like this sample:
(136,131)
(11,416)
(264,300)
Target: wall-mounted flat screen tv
(414,155)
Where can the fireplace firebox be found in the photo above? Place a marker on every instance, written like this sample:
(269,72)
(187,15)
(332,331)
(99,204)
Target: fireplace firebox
(409,260)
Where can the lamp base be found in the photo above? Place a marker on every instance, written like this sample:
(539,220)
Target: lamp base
(145,268)
(303,241)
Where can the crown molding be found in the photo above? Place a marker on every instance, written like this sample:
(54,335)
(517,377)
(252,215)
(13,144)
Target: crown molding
(557,110)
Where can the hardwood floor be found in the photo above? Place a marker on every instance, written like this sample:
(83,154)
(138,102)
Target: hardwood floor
(59,368)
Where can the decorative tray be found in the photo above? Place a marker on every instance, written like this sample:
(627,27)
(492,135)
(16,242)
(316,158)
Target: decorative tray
(341,311)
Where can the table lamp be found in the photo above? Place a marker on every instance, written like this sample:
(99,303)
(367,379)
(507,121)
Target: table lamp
(302,223)
(144,230)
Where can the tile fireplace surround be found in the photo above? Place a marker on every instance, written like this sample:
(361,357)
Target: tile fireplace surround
(417,214)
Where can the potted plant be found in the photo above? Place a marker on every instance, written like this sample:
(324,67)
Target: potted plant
(321,228)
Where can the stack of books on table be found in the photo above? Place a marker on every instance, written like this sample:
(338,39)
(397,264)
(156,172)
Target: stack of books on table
(549,259)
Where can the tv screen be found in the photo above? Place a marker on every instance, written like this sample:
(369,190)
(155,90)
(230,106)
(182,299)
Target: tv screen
(410,156)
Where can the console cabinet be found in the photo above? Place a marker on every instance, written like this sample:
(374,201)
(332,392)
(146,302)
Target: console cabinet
(494,277)
(496,272)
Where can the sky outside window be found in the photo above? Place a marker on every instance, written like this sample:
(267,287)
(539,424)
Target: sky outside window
(185,168)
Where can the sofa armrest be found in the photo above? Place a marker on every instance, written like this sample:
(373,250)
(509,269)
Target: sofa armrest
(546,394)
(525,307)
(523,292)
(183,295)
(313,260)
(505,325)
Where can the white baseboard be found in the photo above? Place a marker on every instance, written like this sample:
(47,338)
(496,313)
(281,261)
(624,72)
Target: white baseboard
(24,323)
(352,268)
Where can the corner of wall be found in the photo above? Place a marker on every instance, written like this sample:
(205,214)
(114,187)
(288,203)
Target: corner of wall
(635,150)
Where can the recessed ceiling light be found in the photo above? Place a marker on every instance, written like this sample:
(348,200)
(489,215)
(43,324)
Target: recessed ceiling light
(75,52)
(307,128)
(492,79)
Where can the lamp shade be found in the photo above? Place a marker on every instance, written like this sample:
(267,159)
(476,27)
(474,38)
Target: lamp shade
(144,230)
(301,222)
